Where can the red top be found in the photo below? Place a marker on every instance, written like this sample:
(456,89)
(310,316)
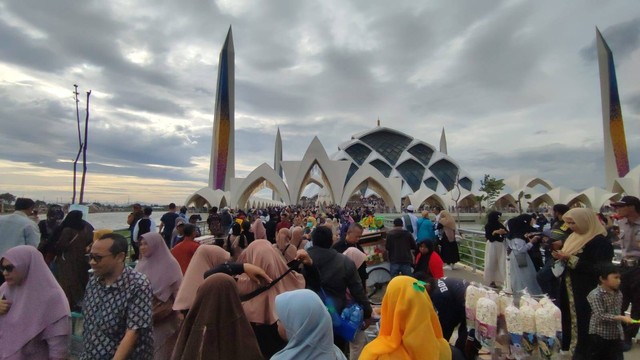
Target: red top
(183,252)
(435,264)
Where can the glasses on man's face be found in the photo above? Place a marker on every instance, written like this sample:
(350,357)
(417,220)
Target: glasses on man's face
(7,268)
(95,257)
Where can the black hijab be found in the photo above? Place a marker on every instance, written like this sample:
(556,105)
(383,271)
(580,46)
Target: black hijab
(519,225)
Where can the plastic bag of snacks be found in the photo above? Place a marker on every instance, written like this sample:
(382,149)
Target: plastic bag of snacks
(528,316)
(471,299)
(486,321)
(549,328)
(515,327)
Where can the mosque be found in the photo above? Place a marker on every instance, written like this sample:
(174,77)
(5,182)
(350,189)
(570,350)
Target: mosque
(397,167)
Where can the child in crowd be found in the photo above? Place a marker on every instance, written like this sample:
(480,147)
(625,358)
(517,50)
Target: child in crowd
(605,328)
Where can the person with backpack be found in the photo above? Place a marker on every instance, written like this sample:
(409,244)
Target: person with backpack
(410,222)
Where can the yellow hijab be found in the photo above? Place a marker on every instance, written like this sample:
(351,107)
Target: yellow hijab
(409,326)
(587,227)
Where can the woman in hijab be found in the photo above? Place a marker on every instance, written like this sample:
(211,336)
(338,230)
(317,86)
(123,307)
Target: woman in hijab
(260,310)
(521,269)
(584,251)
(70,242)
(47,228)
(237,241)
(306,324)
(216,326)
(409,325)
(283,245)
(165,276)
(297,238)
(34,311)
(357,344)
(205,258)
(258,229)
(428,261)
(495,252)
(448,245)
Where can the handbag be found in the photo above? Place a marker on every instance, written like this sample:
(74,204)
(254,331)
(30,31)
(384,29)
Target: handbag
(521,259)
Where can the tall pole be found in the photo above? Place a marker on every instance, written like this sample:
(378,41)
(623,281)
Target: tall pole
(84,150)
(75,162)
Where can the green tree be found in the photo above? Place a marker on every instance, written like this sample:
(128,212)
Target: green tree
(522,195)
(8,198)
(492,187)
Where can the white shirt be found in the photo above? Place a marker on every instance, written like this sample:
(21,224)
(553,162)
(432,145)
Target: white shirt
(136,229)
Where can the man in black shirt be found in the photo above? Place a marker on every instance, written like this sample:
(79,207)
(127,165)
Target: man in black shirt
(168,223)
(353,235)
(448,298)
(399,245)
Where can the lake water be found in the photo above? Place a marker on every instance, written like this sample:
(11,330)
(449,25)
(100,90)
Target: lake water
(118,220)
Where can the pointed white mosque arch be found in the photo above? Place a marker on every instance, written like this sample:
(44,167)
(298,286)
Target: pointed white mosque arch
(242,188)
(520,182)
(423,195)
(333,172)
(388,188)
(208,196)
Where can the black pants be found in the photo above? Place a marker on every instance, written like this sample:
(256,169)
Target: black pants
(603,349)
(630,288)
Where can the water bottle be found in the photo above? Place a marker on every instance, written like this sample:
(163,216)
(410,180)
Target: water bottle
(357,314)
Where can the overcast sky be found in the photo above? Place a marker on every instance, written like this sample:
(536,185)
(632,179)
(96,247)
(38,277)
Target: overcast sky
(514,83)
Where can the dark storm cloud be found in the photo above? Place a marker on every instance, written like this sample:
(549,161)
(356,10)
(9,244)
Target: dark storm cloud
(623,39)
(326,69)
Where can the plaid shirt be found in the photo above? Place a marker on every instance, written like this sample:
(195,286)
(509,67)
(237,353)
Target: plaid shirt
(605,306)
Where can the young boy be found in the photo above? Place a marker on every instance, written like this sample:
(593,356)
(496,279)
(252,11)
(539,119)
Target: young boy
(605,328)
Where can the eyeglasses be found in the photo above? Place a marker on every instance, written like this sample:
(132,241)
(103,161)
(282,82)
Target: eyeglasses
(7,268)
(96,258)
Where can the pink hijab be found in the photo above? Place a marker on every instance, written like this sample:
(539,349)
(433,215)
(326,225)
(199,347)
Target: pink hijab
(296,237)
(36,303)
(262,309)
(205,258)
(357,256)
(160,267)
(258,229)
(283,245)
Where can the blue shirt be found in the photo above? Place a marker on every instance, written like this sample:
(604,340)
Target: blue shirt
(17,229)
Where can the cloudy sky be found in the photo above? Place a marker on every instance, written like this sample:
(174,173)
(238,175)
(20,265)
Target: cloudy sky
(514,83)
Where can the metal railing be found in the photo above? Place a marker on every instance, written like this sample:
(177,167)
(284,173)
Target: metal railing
(472,249)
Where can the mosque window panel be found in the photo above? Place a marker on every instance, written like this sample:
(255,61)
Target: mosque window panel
(358,152)
(431,183)
(383,167)
(389,144)
(421,152)
(412,173)
(466,183)
(352,170)
(446,172)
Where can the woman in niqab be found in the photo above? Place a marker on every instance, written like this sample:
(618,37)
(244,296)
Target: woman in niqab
(70,242)
(495,251)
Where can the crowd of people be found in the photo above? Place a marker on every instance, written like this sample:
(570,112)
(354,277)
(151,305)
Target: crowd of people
(568,256)
(271,286)
(276,283)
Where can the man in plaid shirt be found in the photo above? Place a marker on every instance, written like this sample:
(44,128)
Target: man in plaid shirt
(605,328)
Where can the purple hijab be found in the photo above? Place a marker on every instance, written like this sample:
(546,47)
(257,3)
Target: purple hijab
(160,267)
(37,302)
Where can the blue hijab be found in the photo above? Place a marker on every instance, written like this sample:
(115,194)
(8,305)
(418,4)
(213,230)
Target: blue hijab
(308,326)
